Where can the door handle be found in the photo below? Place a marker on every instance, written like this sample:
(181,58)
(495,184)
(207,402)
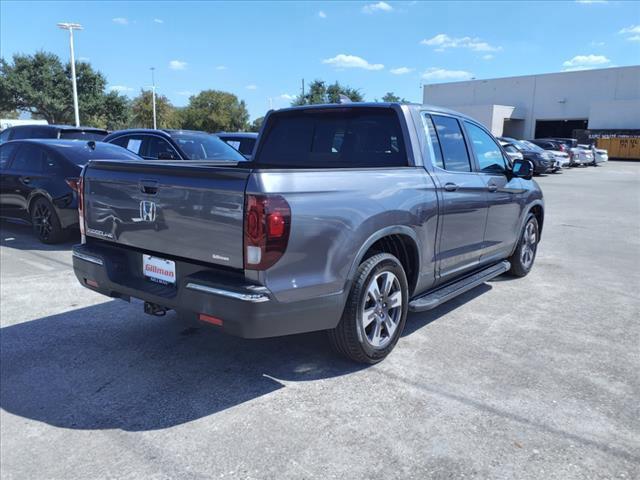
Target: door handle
(25,180)
(492,187)
(450,187)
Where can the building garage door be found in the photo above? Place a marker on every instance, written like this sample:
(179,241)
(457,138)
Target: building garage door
(558,128)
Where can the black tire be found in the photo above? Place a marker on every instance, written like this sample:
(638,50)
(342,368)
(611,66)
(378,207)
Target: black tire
(525,254)
(355,340)
(45,222)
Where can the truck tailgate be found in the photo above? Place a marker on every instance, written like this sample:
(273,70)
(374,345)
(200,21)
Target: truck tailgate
(190,210)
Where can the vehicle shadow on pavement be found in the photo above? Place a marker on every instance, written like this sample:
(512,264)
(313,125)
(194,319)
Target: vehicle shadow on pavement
(417,320)
(20,236)
(111,366)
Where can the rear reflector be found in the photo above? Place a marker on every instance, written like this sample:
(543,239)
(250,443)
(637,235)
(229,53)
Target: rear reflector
(91,283)
(210,319)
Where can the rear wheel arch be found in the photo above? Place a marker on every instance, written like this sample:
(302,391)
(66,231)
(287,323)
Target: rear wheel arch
(538,211)
(400,241)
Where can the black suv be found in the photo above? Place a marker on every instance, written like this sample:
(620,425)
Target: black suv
(174,145)
(543,161)
(63,132)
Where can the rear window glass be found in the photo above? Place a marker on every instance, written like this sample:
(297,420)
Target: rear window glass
(202,146)
(358,137)
(81,135)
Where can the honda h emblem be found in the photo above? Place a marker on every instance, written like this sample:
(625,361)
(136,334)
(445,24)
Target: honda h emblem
(147,211)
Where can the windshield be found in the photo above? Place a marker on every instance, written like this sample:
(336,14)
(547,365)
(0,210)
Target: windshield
(82,135)
(202,146)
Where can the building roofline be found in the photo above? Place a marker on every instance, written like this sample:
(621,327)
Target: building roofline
(574,72)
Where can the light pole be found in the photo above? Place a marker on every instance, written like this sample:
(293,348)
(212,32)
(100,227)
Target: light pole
(71,27)
(153,96)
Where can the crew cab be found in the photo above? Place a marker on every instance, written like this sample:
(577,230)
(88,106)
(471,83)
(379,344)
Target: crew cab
(347,217)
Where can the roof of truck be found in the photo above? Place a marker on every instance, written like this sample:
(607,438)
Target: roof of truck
(412,106)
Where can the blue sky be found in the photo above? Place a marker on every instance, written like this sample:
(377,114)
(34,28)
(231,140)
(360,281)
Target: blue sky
(261,50)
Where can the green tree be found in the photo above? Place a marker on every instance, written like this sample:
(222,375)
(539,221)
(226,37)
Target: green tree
(41,85)
(256,125)
(214,111)
(116,112)
(320,92)
(392,97)
(142,111)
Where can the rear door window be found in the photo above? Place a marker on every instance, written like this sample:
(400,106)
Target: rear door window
(5,154)
(454,149)
(133,143)
(28,158)
(334,138)
(159,148)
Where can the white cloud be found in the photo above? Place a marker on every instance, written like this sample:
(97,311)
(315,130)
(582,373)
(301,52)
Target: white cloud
(401,70)
(597,44)
(437,73)
(185,93)
(221,67)
(632,33)
(591,1)
(632,29)
(377,7)
(286,96)
(120,21)
(83,59)
(582,61)
(443,41)
(321,14)
(177,65)
(252,87)
(488,56)
(158,20)
(351,61)
(120,88)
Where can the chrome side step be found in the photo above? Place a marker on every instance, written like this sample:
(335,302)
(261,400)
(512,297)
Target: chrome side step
(437,297)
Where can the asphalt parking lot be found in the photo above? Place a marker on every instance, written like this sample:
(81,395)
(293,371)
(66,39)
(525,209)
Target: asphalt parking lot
(531,378)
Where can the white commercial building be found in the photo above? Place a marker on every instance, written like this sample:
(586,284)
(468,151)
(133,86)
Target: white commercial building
(547,105)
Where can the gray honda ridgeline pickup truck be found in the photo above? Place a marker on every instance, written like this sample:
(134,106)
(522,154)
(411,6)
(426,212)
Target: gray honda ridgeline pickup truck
(347,217)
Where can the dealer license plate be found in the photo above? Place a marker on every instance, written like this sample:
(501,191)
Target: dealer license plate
(158,269)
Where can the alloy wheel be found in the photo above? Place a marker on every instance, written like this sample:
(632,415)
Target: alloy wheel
(382,309)
(529,244)
(42,221)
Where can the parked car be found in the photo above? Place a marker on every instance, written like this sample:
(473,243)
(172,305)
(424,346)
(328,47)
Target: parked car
(577,155)
(36,178)
(561,156)
(348,217)
(63,132)
(581,156)
(174,145)
(512,152)
(241,141)
(543,162)
(599,155)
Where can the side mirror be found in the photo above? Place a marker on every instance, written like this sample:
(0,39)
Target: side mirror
(522,169)
(165,156)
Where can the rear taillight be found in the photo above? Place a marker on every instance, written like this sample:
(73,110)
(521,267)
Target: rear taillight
(267,222)
(73,183)
(80,191)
